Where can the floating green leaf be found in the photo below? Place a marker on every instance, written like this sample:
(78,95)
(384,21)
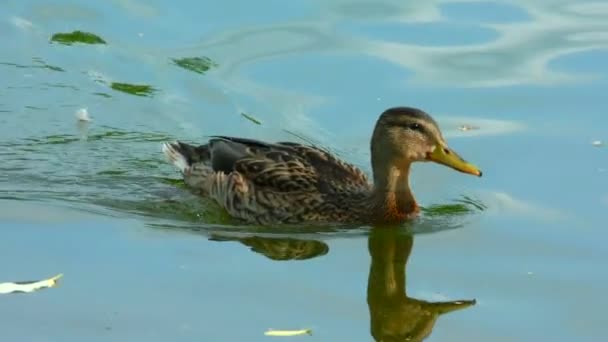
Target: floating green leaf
(464,205)
(77,37)
(134,89)
(447,210)
(197,64)
(251,118)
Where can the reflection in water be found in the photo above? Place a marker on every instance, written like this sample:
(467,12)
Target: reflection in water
(394,316)
(280,248)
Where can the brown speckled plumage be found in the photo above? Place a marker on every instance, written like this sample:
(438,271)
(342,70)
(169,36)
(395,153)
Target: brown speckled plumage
(286,182)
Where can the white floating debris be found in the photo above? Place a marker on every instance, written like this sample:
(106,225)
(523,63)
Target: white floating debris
(140,34)
(287,333)
(467,127)
(597,143)
(29,286)
(530,273)
(83,115)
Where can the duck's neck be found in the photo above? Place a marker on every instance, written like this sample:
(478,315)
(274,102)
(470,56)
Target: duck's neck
(392,197)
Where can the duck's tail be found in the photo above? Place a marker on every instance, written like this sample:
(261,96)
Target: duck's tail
(183,156)
(176,155)
(192,161)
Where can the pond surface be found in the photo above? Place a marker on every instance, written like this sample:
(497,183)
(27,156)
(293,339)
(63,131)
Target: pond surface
(146,260)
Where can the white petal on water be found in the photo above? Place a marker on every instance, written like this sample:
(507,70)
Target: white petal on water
(14,287)
(286,333)
(83,115)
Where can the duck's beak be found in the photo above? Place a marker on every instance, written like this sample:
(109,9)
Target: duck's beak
(446,156)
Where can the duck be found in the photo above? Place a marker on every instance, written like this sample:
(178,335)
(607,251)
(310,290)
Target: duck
(273,183)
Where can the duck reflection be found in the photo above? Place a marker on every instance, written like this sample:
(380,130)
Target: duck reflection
(394,316)
(280,249)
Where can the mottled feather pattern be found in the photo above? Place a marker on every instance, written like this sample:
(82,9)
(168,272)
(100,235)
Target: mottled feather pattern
(197,177)
(334,170)
(274,183)
(281,176)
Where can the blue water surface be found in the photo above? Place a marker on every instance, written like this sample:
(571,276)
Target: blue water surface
(143,259)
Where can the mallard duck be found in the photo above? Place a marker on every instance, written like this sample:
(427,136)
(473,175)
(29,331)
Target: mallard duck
(287,182)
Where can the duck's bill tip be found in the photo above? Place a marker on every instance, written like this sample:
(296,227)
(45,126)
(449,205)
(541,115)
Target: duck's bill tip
(448,157)
(477,173)
(468,169)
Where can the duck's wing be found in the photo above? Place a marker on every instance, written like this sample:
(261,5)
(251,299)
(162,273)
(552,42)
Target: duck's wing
(285,166)
(270,183)
(331,168)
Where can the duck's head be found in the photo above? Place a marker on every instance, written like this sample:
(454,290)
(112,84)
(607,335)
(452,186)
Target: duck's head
(404,135)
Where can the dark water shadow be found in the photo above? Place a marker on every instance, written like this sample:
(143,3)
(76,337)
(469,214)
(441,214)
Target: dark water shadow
(394,316)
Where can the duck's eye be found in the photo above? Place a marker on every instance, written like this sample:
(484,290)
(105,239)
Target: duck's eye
(415,126)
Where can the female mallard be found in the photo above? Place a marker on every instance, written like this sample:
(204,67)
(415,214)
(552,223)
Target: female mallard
(285,182)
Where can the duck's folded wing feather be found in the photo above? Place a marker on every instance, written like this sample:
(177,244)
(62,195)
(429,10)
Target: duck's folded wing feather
(282,176)
(284,166)
(333,169)
(227,151)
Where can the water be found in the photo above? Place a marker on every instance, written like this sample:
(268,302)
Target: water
(143,259)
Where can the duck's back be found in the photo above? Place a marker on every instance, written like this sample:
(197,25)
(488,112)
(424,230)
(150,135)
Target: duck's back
(272,182)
